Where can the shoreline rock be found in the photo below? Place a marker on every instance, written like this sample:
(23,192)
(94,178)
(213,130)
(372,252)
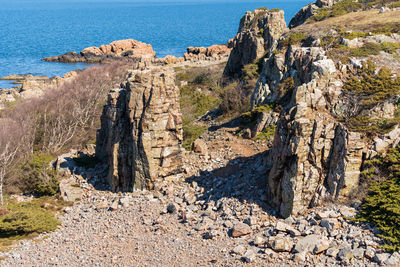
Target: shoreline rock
(128,49)
(132,50)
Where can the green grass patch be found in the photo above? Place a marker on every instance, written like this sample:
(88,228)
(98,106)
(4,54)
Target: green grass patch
(341,8)
(390,47)
(387,28)
(366,50)
(294,39)
(354,35)
(395,5)
(260,109)
(343,53)
(11,104)
(267,134)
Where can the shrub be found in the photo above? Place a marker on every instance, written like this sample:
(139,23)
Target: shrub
(195,103)
(191,132)
(370,126)
(367,49)
(369,89)
(286,86)
(382,204)
(373,88)
(200,95)
(38,176)
(205,77)
(202,78)
(234,99)
(26,218)
(252,115)
(63,117)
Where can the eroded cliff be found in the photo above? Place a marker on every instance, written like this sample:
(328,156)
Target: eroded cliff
(328,124)
(141,130)
(258,32)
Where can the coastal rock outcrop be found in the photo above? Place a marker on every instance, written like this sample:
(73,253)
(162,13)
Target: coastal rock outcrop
(308,11)
(258,32)
(128,49)
(315,156)
(141,130)
(216,52)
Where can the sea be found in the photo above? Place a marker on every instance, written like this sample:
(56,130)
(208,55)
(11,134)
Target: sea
(33,29)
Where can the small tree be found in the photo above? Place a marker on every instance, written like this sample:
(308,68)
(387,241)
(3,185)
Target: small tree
(9,145)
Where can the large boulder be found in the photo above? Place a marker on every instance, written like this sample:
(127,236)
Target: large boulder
(141,130)
(258,31)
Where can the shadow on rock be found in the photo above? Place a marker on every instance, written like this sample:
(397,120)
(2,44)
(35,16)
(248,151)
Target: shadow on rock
(242,179)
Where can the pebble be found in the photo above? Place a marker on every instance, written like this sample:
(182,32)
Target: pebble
(171,208)
(241,229)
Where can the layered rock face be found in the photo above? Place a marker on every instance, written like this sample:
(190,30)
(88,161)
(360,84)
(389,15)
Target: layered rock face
(141,130)
(314,155)
(128,48)
(258,31)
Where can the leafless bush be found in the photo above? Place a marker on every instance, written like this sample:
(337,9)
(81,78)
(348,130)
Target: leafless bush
(64,117)
(234,99)
(11,141)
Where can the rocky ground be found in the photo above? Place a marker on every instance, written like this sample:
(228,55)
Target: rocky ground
(214,213)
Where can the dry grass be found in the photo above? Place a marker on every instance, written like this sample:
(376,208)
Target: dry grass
(356,21)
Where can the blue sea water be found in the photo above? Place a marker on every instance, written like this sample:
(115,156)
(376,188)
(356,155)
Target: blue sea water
(33,29)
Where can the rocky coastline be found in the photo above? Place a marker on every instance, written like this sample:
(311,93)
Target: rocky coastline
(132,50)
(278,185)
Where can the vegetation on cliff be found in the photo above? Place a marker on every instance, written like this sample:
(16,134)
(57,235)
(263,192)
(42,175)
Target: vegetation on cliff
(382,204)
(348,6)
(369,88)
